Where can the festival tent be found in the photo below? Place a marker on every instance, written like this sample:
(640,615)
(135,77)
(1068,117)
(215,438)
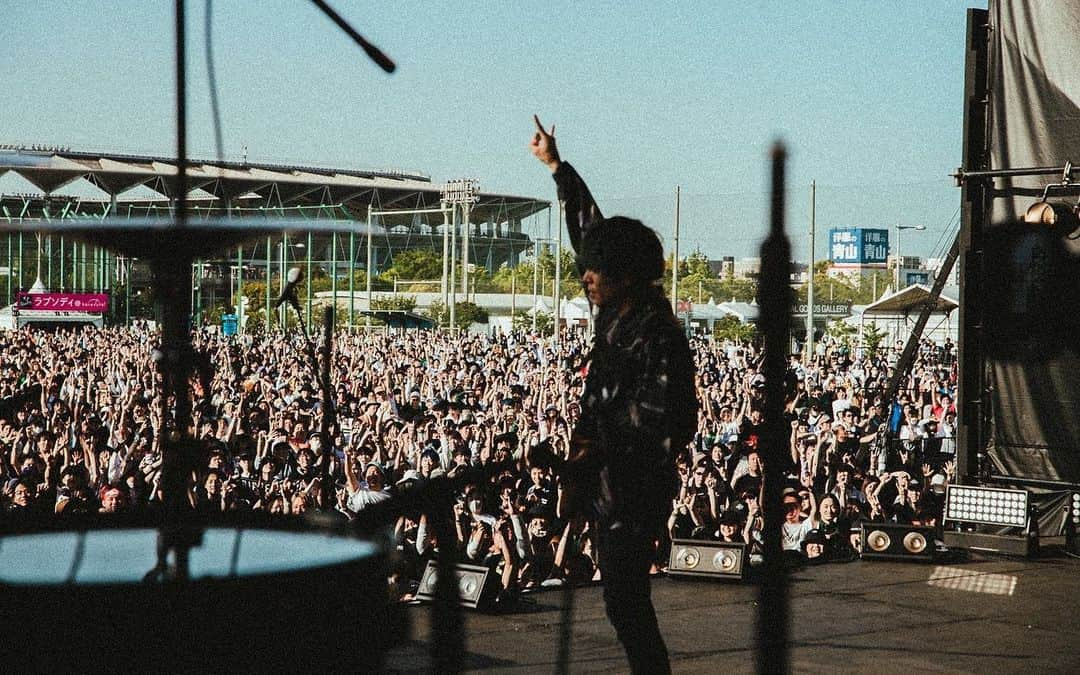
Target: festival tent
(12,317)
(900,310)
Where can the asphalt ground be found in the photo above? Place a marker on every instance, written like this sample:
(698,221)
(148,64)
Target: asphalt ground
(978,615)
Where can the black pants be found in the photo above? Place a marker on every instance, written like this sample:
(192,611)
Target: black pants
(625,555)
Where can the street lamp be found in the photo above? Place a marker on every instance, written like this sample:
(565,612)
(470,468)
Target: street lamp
(899,257)
(537,242)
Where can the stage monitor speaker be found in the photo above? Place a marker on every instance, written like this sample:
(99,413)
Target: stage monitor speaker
(691,557)
(477,586)
(896,541)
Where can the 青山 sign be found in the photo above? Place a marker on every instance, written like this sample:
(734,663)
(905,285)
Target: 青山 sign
(70,302)
(917,277)
(858,246)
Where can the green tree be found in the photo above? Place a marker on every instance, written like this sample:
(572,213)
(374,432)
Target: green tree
(212,315)
(873,337)
(469,313)
(730,328)
(871,287)
(359,278)
(479,280)
(738,290)
(415,264)
(465,314)
(398,302)
(696,280)
(844,289)
(518,278)
(545,263)
(844,333)
(545,323)
(142,303)
(828,289)
(255,310)
(319,281)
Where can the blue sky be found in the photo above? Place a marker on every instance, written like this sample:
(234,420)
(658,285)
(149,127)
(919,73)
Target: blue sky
(644,96)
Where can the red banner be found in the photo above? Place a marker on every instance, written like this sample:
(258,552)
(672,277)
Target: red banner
(63,302)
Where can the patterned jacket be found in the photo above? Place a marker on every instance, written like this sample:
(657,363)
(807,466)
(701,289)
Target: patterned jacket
(639,407)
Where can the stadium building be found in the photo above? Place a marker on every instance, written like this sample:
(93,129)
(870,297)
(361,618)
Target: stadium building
(391,211)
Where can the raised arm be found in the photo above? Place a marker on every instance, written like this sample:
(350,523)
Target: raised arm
(581,209)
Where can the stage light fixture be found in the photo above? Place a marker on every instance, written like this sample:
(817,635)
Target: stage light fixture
(1058,217)
(1072,524)
(986,506)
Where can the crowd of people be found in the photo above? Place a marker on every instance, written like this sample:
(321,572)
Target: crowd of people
(80,431)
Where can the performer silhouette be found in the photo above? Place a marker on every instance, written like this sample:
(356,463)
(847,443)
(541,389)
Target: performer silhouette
(638,408)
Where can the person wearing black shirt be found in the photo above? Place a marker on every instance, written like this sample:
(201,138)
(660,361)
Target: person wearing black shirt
(638,409)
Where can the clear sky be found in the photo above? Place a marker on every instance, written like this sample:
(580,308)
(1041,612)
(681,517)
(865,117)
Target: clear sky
(644,95)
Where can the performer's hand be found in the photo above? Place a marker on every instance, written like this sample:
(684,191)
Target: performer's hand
(543,146)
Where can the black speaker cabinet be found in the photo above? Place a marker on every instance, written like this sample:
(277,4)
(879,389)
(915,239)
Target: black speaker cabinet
(895,541)
(708,559)
(477,586)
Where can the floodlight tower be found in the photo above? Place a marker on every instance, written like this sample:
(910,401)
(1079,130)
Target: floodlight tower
(461,191)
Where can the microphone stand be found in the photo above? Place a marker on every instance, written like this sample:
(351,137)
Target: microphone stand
(322,376)
(373,52)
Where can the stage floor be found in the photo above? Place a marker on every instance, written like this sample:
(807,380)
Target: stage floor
(983,615)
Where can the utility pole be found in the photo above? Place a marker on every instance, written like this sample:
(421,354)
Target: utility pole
(810,274)
(283,309)
(239,288)
(310,248)
(899,255)
(445,248)
(536,269)
(269,269)
(675,259)
(452,299)
(465,249)
(557,291)
(367,270)
(352,279)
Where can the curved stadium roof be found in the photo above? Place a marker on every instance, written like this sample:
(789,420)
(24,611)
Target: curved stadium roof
(253,183)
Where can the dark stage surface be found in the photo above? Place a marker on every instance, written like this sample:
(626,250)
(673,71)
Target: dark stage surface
(983,615)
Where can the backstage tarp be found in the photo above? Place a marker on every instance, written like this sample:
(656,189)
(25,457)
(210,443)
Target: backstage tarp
(1034,95)
(1031,276)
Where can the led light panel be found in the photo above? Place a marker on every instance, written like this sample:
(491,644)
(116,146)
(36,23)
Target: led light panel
(989,506)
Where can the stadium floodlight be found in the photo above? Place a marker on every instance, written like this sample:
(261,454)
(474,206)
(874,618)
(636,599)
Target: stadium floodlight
(986,506)
(1075,509)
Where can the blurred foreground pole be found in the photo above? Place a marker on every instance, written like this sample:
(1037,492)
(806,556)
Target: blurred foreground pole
(774,298)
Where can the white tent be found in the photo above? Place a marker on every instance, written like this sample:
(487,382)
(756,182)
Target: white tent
(12,317)
(900,309)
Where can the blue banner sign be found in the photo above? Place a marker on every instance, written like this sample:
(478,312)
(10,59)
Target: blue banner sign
(858,246)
